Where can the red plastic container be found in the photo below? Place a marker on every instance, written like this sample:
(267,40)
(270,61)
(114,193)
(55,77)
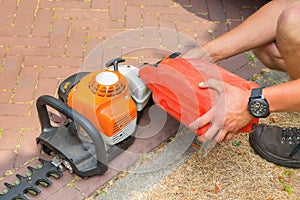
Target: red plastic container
(174,84)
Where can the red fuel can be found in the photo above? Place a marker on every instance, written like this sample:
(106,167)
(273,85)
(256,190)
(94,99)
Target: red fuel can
(174,85)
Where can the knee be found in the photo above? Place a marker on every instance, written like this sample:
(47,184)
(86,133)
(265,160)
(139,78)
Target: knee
(258,52)
(270,56)
(289,20)
(264,53)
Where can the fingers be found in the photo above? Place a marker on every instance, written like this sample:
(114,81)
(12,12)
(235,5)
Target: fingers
(218,135)
(214,84)
(229,136)
(221,135)
(209,134)
(201,121)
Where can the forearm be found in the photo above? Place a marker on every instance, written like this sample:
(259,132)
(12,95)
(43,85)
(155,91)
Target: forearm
(284,97)
(257,30)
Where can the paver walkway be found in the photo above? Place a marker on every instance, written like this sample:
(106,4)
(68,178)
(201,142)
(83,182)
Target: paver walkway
(44,41)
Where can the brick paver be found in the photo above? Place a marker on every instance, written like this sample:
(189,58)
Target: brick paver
(44,41)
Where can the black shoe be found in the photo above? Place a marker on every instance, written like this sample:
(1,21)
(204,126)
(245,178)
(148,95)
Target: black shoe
(277,145)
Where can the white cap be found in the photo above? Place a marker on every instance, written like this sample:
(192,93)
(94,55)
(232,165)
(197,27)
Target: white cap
(106,78)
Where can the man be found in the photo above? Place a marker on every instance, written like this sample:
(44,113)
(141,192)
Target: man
(273,33)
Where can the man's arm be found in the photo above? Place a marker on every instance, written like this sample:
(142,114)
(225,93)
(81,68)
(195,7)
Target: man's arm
(257,30)
(284,97)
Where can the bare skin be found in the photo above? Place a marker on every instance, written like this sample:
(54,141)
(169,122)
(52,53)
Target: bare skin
(276,43)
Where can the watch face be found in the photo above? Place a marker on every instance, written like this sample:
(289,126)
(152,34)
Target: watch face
(259,108)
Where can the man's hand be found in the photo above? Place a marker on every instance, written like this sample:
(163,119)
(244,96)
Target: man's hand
(228,115)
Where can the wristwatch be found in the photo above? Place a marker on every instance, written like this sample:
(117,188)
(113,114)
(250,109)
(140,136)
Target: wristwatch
(258,106)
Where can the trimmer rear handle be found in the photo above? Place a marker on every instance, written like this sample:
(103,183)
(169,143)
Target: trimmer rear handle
(89,128)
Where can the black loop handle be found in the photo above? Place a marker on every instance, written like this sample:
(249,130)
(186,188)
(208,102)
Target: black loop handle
(46,100)
(171,56)
(115,63)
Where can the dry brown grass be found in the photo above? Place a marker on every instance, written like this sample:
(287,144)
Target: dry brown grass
(231,172)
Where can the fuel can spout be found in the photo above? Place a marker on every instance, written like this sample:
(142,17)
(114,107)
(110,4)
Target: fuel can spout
(174,85)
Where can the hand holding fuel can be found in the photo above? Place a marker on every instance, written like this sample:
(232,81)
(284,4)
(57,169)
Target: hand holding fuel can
(212,110)
(227,116)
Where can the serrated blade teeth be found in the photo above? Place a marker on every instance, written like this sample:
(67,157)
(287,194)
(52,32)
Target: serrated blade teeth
(8,185)
(29,183)
(32,169)
(55,174)
(44,180)
(21,177)
(21,197)
(33,188)
(42,161)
